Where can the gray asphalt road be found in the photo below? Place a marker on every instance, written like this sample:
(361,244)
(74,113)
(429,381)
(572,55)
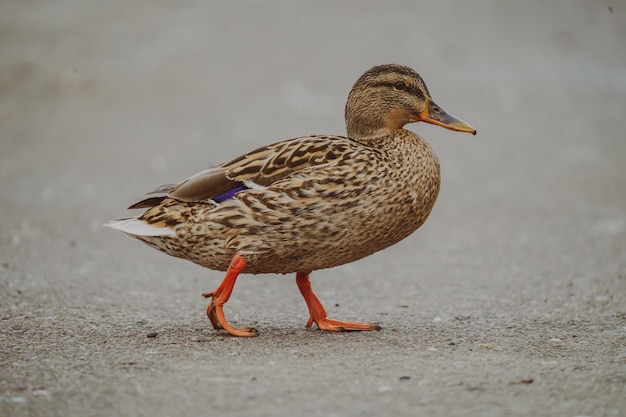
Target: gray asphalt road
(511,300)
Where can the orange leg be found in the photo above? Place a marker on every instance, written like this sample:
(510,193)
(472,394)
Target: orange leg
(221,295)
(318,314)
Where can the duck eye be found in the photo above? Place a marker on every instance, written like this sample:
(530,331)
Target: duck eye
(400,85)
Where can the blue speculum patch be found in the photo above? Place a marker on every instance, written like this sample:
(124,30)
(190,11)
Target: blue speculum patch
(227,195)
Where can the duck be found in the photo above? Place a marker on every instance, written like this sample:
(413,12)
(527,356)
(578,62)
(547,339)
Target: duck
(308,203)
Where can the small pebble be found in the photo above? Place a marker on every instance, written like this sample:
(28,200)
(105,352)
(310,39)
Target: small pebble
(405,378)
(152,335)
(489,346)
(18,400)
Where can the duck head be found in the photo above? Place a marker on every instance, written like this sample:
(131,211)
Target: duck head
(387,97)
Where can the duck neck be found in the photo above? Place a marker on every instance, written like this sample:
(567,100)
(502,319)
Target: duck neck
(372,135)
(364,128)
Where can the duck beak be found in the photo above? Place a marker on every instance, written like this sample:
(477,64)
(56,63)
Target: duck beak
(437,116)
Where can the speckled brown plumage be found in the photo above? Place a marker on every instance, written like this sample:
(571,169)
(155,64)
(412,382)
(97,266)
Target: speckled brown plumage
(308,203)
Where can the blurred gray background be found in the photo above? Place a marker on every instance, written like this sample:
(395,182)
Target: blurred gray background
(510,300)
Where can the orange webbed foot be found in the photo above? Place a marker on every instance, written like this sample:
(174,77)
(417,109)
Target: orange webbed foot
(324,323)
(318,314)
(215,310)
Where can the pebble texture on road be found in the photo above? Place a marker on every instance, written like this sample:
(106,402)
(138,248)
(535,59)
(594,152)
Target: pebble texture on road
(509,301)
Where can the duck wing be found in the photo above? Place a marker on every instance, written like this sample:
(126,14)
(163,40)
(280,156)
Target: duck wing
(257,169)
